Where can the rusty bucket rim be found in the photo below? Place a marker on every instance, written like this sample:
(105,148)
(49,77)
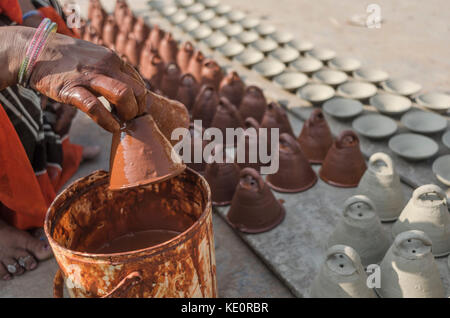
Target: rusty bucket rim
(149,251)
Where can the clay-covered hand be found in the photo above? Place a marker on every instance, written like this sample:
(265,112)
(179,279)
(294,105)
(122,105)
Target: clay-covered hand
(76,72)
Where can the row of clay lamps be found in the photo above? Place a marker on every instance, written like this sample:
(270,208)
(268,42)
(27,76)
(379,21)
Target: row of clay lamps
(223,101)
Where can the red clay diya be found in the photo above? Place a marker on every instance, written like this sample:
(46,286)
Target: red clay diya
(97,20)
(141,30)
(133,50)
(252,141)
(294,173)
(276,117)
(184,55)
(155,37)
(168,49)
(195,65)
(315,138)
(187,90)
(205,105)
(254,208)
(226,116)
(344,164)
(232,87)
(128,22)
(253,103)
(120,10)
(196,139)
(153,70)
(170,80)
(110,31)
(211,73)
(121,43)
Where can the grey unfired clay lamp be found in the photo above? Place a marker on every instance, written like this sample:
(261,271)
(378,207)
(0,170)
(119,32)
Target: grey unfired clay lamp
(285,54)
(372,75)
(321,54)
(249,56)
(439,102)
(401,86)
(441,169)
(330,77)
(381,184)
(216,39)
(231,48)
(374,126)
(306,65)
(360,228)
(343,108)
(269,67)
(408,269)
(316,93)
(390,104)
(413,146)
(291,80)
(341,276)
(345,64)
(424,122)
(356,90)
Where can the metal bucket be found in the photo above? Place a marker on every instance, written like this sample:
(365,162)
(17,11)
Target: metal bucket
(87,212)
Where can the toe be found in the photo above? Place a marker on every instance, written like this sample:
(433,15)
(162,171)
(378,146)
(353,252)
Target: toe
(25,259)
(12,266)
(4,273)
(40,249)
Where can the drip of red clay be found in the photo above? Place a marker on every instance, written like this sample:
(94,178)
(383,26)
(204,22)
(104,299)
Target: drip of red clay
(170,80)
(294,173)
(211,74)
(226,116)
(187,91)
(195,65)
(254,208)
(133,241)
(205,105)
(168,49)
(110,30)
(184,55)
(141,30)
(232,88)
(253,103)
(252,141)
(315,138)
(140,154)
(344,164)
(223,179)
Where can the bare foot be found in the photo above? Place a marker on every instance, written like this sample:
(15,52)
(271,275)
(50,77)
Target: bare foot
(19,251)
(90,152)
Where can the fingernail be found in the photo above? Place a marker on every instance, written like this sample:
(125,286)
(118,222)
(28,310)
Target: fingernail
(7,277)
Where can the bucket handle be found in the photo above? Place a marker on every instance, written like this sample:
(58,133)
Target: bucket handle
(129,281)
(381,156)
(429,188)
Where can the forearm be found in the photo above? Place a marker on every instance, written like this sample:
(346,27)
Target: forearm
(13,45)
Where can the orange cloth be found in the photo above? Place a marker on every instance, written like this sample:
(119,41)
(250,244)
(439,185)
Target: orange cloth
(25,196)
(50,12)
(12,10)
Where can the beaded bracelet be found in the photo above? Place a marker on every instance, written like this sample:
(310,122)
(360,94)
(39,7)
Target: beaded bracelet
(35,48)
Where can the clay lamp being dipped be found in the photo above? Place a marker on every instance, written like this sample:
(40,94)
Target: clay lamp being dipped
(344,164)
(254,208)
(140,152)
(315,138)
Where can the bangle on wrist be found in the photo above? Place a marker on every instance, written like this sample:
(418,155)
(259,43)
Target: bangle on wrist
(37,44)
(32,13)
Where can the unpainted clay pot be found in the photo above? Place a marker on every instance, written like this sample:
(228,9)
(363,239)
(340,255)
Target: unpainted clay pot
(226,116)
(294,173)
(97,20)
(232,87)
(110,31)
(93,6)
(133,50)
(222,179)
(381,184)
(140,154)
(195,65)
(211,73)
(153,70)
(344,164)
(408,269)
(253,103)
(315,138)
(361,229)
(187,91)
(427,211)
(168,49)
(155,37)
(205,105)
(196,161)
(120,10)
(184,55)
(141,30)
(252,141)
(170,80)
(254,208)
(146,52)
(276,117)
(121,43)
(341,276)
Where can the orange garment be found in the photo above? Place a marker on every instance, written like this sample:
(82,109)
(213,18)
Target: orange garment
(25,196)
(50,12)
(12,10)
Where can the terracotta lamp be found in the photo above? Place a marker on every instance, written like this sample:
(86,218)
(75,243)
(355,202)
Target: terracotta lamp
(140,152)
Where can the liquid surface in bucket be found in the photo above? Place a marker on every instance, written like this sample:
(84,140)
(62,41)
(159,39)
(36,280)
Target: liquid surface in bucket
(135,241)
